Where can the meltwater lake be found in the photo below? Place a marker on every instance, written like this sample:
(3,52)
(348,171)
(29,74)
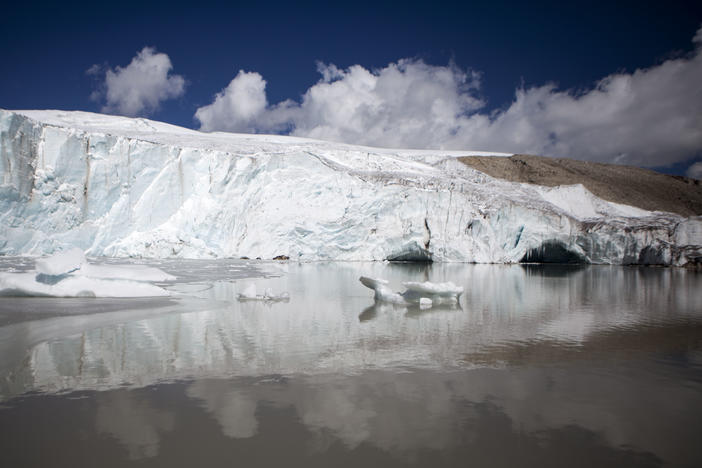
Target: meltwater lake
(537,366)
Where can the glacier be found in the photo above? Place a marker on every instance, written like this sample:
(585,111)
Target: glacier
(124,187)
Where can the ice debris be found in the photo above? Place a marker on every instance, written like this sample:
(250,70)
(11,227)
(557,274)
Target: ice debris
(424,294)
(68,274)
(249,294)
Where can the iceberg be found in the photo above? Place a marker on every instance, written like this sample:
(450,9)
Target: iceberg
(249,294)
(61,263)
(68,274)
(383,293)
(425,295)
(122,187)
(432,293)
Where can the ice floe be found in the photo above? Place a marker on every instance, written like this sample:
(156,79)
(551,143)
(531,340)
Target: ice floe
(69,274)
(249,294)
(425,294)
(61,262)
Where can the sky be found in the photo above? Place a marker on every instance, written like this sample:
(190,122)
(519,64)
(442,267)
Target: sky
(616,82)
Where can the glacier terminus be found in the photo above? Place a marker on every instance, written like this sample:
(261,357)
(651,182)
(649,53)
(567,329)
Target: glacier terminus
(124,187)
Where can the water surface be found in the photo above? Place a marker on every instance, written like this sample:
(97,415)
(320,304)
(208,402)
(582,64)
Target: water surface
(539,366)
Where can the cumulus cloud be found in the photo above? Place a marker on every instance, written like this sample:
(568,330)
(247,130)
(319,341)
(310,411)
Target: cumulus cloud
(695,171)
(237,107)
(398,105)
(140,87)
(650,117)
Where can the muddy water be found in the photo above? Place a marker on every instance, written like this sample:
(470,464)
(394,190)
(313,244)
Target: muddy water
(538,366)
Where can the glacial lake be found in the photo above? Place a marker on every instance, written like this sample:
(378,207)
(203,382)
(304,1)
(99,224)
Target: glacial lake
(539,366)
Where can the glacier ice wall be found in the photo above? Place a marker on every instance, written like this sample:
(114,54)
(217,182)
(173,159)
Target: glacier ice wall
(116,186)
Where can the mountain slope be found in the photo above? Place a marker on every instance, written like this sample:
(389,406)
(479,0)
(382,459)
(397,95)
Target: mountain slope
(628,185)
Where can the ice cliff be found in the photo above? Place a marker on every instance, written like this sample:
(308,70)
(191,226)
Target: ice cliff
(117,186)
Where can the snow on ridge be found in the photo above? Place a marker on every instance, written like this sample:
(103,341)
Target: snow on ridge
(579,202)
(118,186)
(168,134)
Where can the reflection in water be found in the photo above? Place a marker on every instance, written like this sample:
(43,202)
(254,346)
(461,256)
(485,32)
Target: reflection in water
(601,365)
(371,312)
(133,423)
(532,416)
(233,408)
(413,310)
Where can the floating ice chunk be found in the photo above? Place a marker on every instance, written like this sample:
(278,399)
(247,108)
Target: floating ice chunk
(68,274)
(434,289)
(425,303)
(131,272)
(383,292)
(435,293)
(249,294)
(373,283)
(269,296)
(440,293)
(61,263)
(26,284)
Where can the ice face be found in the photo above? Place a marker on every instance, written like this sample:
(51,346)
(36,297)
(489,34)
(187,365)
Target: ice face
(123,187)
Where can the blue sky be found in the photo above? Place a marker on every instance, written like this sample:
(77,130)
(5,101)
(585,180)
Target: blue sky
(478,55)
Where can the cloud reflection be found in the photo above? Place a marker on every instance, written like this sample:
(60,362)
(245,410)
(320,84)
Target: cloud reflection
(133,422)
(233,408)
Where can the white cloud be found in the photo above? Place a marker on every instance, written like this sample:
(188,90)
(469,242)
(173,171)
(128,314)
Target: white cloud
(396,105)
(140,87)
(95,69)
(695,171)
(650,117)
(237,106)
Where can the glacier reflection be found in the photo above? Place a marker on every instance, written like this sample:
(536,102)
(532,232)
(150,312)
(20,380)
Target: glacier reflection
(332,326)
(403,414)
(533,354)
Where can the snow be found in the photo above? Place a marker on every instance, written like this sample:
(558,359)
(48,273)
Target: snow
(68,274)
(580,203)
(122,187)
